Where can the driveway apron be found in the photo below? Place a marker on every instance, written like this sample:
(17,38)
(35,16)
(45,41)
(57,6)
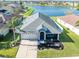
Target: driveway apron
(27,49)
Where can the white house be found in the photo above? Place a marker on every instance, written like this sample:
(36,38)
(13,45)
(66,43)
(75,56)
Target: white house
(40,27)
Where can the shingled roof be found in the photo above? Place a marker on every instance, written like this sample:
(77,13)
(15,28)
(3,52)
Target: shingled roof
(7,18)
(39,20)
(4,17)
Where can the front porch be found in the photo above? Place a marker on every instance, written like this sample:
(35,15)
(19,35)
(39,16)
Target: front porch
(48,37)
(49,40)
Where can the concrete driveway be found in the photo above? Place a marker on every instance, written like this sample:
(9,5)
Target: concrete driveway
(27,49)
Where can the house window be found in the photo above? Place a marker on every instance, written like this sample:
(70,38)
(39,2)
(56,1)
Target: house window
(55,36)
(51,36)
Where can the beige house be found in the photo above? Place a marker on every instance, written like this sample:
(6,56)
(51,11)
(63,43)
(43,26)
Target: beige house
(70,21)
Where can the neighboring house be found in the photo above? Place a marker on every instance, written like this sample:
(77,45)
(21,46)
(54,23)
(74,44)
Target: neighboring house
(13,8)
(3,27)
(40,27)
(70,22)
(4,19)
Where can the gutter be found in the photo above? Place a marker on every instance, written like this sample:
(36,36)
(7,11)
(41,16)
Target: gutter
(60,27)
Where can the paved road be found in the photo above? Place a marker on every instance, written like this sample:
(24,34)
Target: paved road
(27,49)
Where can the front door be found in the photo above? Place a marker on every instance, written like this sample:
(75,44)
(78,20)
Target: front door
(42,36)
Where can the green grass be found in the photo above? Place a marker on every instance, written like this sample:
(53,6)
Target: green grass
(11,52)
(28,12)
(71,46)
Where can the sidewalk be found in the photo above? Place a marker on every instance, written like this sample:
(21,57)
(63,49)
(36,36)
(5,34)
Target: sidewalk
(27,49)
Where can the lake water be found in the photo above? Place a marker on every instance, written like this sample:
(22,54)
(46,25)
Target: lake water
(54,10)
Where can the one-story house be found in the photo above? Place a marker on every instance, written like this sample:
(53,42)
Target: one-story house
(4,19)
(3,27)
(70,21)
(40,27)
(12,7)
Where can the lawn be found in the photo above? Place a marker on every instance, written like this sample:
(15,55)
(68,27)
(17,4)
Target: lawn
(28,12)
(11,52)
(5,49)
(71,46)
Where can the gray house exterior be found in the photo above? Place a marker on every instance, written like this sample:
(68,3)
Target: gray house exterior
(5,18)
(4,29)
(40,27)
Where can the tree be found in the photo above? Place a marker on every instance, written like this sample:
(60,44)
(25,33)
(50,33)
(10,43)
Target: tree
(77,7)
(12,25)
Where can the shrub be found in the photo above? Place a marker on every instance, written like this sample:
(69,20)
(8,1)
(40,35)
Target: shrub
(1,37)
(77,7)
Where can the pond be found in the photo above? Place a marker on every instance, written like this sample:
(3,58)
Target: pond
(54,10)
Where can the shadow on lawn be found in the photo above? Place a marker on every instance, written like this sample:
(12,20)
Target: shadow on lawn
(64,36)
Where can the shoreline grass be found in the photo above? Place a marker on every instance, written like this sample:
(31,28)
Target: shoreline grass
(28,12)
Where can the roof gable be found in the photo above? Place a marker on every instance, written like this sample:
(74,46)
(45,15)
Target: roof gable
(35,21)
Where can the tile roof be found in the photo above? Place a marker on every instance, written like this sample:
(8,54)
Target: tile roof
(70,19)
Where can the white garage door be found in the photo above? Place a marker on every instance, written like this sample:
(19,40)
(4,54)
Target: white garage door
(29,36)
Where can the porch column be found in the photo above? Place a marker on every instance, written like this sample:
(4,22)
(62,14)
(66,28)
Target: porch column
(58,37)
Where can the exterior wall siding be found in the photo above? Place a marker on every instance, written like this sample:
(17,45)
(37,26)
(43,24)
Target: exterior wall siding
(4,31)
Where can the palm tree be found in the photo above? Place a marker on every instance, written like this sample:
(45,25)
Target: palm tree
(12,25)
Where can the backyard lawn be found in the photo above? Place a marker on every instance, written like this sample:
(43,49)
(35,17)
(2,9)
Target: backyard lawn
(5,49)
(28,12)
(71,46)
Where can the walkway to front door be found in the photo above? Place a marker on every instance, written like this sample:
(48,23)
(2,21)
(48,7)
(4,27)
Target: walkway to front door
(27,49)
